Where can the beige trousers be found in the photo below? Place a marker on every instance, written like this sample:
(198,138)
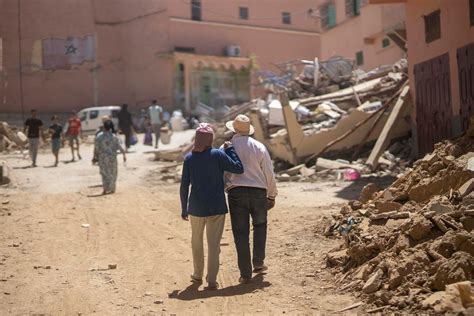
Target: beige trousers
(214,228)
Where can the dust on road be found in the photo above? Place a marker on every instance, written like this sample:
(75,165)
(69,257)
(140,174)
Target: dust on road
(61,237)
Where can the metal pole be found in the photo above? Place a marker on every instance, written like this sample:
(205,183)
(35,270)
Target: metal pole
(95,72)
(95,69)
(20,67)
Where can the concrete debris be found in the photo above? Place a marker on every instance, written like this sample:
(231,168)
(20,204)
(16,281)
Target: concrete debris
(458,298)
(413,243)
(329,169)
(295,128)
(373,283)
(11,138)
(170,173)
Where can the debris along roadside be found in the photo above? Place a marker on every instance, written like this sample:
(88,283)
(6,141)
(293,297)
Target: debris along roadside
(11,138)
(370,106)
(342,120)
(404,245)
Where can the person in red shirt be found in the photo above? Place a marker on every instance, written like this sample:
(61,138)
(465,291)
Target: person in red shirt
(73,132)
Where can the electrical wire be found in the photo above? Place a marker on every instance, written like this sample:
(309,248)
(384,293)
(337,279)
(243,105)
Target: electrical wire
(309,12)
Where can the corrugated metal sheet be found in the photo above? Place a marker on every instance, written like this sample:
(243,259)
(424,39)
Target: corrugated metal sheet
(433,102)
(465,57)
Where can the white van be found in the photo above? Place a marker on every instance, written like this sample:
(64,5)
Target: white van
(91,118)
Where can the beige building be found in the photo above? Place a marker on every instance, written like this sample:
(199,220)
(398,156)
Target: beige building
(440,40)
(68,54)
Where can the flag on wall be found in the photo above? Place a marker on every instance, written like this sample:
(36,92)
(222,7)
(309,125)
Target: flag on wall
(63,53)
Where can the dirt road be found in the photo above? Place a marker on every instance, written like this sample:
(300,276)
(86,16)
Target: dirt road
(60,238)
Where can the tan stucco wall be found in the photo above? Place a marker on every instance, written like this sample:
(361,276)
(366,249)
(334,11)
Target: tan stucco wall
(347,37)
(455,33)
(264,13)
(133,41)
(130,54)
(264,44)
(131,70)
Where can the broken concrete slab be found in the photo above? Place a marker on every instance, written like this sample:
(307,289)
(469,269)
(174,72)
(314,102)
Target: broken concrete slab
(457,298)
(420,227)
(294,145)
(373,283)
(337,258)
(384,207)
(368,192)
(383,140)
(466,188)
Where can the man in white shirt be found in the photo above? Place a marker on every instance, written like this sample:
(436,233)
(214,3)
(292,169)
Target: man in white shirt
(156,120)
(251,194)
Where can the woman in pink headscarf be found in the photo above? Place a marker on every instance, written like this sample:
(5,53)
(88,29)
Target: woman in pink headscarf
(205,207)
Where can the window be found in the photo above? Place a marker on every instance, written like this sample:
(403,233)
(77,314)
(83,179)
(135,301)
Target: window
(93,114)
(385,43)
(82,116)
(433,26)
(328,15)
(182,49)
(471,11)
(243,13)
(286,17)
(196,10)
(353,7)
(360,58)
(115,113)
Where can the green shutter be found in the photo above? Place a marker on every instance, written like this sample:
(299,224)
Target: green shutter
(356,7)
(360,58)
(332,15)
(385,42)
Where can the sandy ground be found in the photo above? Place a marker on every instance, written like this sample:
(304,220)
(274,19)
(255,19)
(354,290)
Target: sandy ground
(61,236)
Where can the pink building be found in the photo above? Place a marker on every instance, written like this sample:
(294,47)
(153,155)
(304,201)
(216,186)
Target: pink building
(441,66)
(76,53)
(371,34)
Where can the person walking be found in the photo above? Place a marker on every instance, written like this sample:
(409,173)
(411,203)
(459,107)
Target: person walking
(105,153)
(156,119)
(205,207)
(104,119)
(33,129)
(126,124)
(56,132)
(250,194)
(74,131)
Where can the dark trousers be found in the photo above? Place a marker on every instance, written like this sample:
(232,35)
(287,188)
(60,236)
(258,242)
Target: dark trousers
(245,202)
(128,137)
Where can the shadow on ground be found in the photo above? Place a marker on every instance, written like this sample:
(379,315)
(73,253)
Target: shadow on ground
(352,191)
(192,292)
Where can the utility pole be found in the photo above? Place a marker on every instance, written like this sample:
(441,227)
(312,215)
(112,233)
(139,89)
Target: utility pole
(96,67)
(20,62)
(95,73)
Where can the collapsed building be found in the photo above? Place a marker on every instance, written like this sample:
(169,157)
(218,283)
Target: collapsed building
(411,246)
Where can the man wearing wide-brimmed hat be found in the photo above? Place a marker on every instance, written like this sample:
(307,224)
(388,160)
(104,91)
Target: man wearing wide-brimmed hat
(251,194)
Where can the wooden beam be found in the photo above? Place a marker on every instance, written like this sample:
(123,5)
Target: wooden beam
(384,139)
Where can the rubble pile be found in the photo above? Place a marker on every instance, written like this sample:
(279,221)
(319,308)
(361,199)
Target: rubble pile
(392,163)
(301,129)
(306,80)
(169,173)
(11,138)
(411,246)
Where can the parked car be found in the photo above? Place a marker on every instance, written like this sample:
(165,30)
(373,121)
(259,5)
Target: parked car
(91,118)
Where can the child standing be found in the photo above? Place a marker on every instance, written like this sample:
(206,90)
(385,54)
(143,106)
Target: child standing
(56,131)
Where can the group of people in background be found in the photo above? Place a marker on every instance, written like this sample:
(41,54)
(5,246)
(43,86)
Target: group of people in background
(34,130)
(106,143)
